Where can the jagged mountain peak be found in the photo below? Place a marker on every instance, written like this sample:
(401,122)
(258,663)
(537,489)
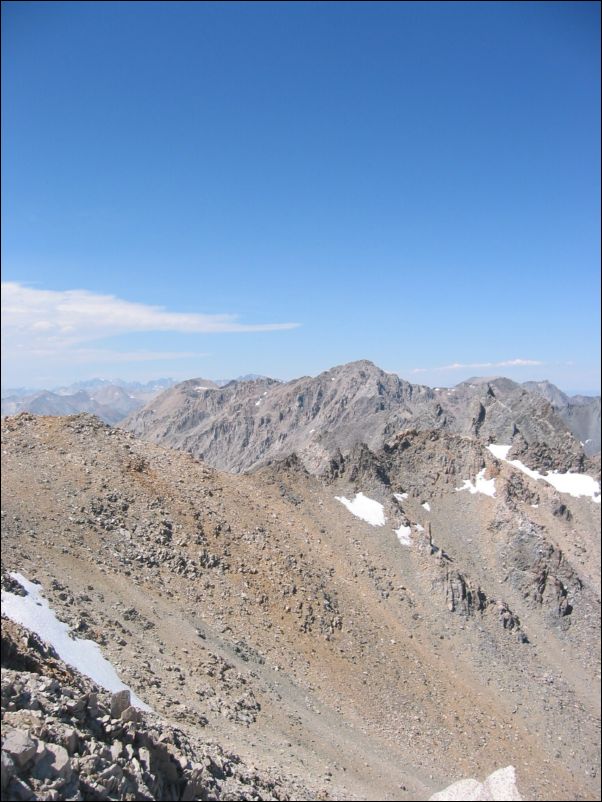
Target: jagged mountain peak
(241,426)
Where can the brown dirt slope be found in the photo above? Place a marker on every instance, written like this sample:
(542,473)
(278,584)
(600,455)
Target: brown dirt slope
(259,612)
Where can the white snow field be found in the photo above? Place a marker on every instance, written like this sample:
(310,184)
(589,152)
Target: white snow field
(404,535)
(365,508)
(498,787)
(480,485)
(575,484)
(33,612)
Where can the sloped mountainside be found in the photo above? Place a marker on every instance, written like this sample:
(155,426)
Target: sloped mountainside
(426,610)
(580,413)
(244,425)
(66,738)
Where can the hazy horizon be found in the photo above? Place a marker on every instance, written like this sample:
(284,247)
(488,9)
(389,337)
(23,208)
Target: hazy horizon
(152,379)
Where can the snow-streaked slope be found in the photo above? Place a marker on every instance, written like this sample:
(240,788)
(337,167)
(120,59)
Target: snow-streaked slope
(33,612)
(574,484)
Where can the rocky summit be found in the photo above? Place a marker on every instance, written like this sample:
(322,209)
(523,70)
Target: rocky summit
(243,425)
(347,587)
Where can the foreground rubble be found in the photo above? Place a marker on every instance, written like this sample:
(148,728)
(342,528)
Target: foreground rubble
(65,738)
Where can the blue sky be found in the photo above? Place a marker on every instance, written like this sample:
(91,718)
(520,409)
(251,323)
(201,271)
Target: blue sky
(216,189)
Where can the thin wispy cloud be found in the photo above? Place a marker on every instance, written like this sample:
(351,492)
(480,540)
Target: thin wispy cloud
(506,363)
(50,324)
(79,315)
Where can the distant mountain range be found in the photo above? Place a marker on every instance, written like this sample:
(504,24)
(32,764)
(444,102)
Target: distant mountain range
(265,419)
(388,602)
(243,425)
(109,400)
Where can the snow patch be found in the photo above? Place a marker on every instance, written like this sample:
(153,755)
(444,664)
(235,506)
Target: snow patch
(480,485)
(365,508)
(499,786)
(404,535)
(499,451)
(33,612)
(419,528)
(574,484)
(400,496)
(257,403)
(427,506)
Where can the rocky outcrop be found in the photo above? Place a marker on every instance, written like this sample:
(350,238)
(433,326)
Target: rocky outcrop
(69,739)
(541,573)
(580,413)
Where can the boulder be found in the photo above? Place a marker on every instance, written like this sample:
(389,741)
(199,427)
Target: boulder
(130,714)
(8,769)
(20,746)
(53,764)
(120,701)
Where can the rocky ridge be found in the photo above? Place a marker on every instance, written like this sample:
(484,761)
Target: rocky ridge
(244,425)
(580,413)
(259,610)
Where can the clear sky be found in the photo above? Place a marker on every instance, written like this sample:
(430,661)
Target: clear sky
(217,189)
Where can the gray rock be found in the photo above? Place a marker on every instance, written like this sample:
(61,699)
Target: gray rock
(8,769)
(130,714)
(19,791)
(116,749)
(70,740)
(120,701)
(93,704)
(20,746)
(54,764)
(195,784)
